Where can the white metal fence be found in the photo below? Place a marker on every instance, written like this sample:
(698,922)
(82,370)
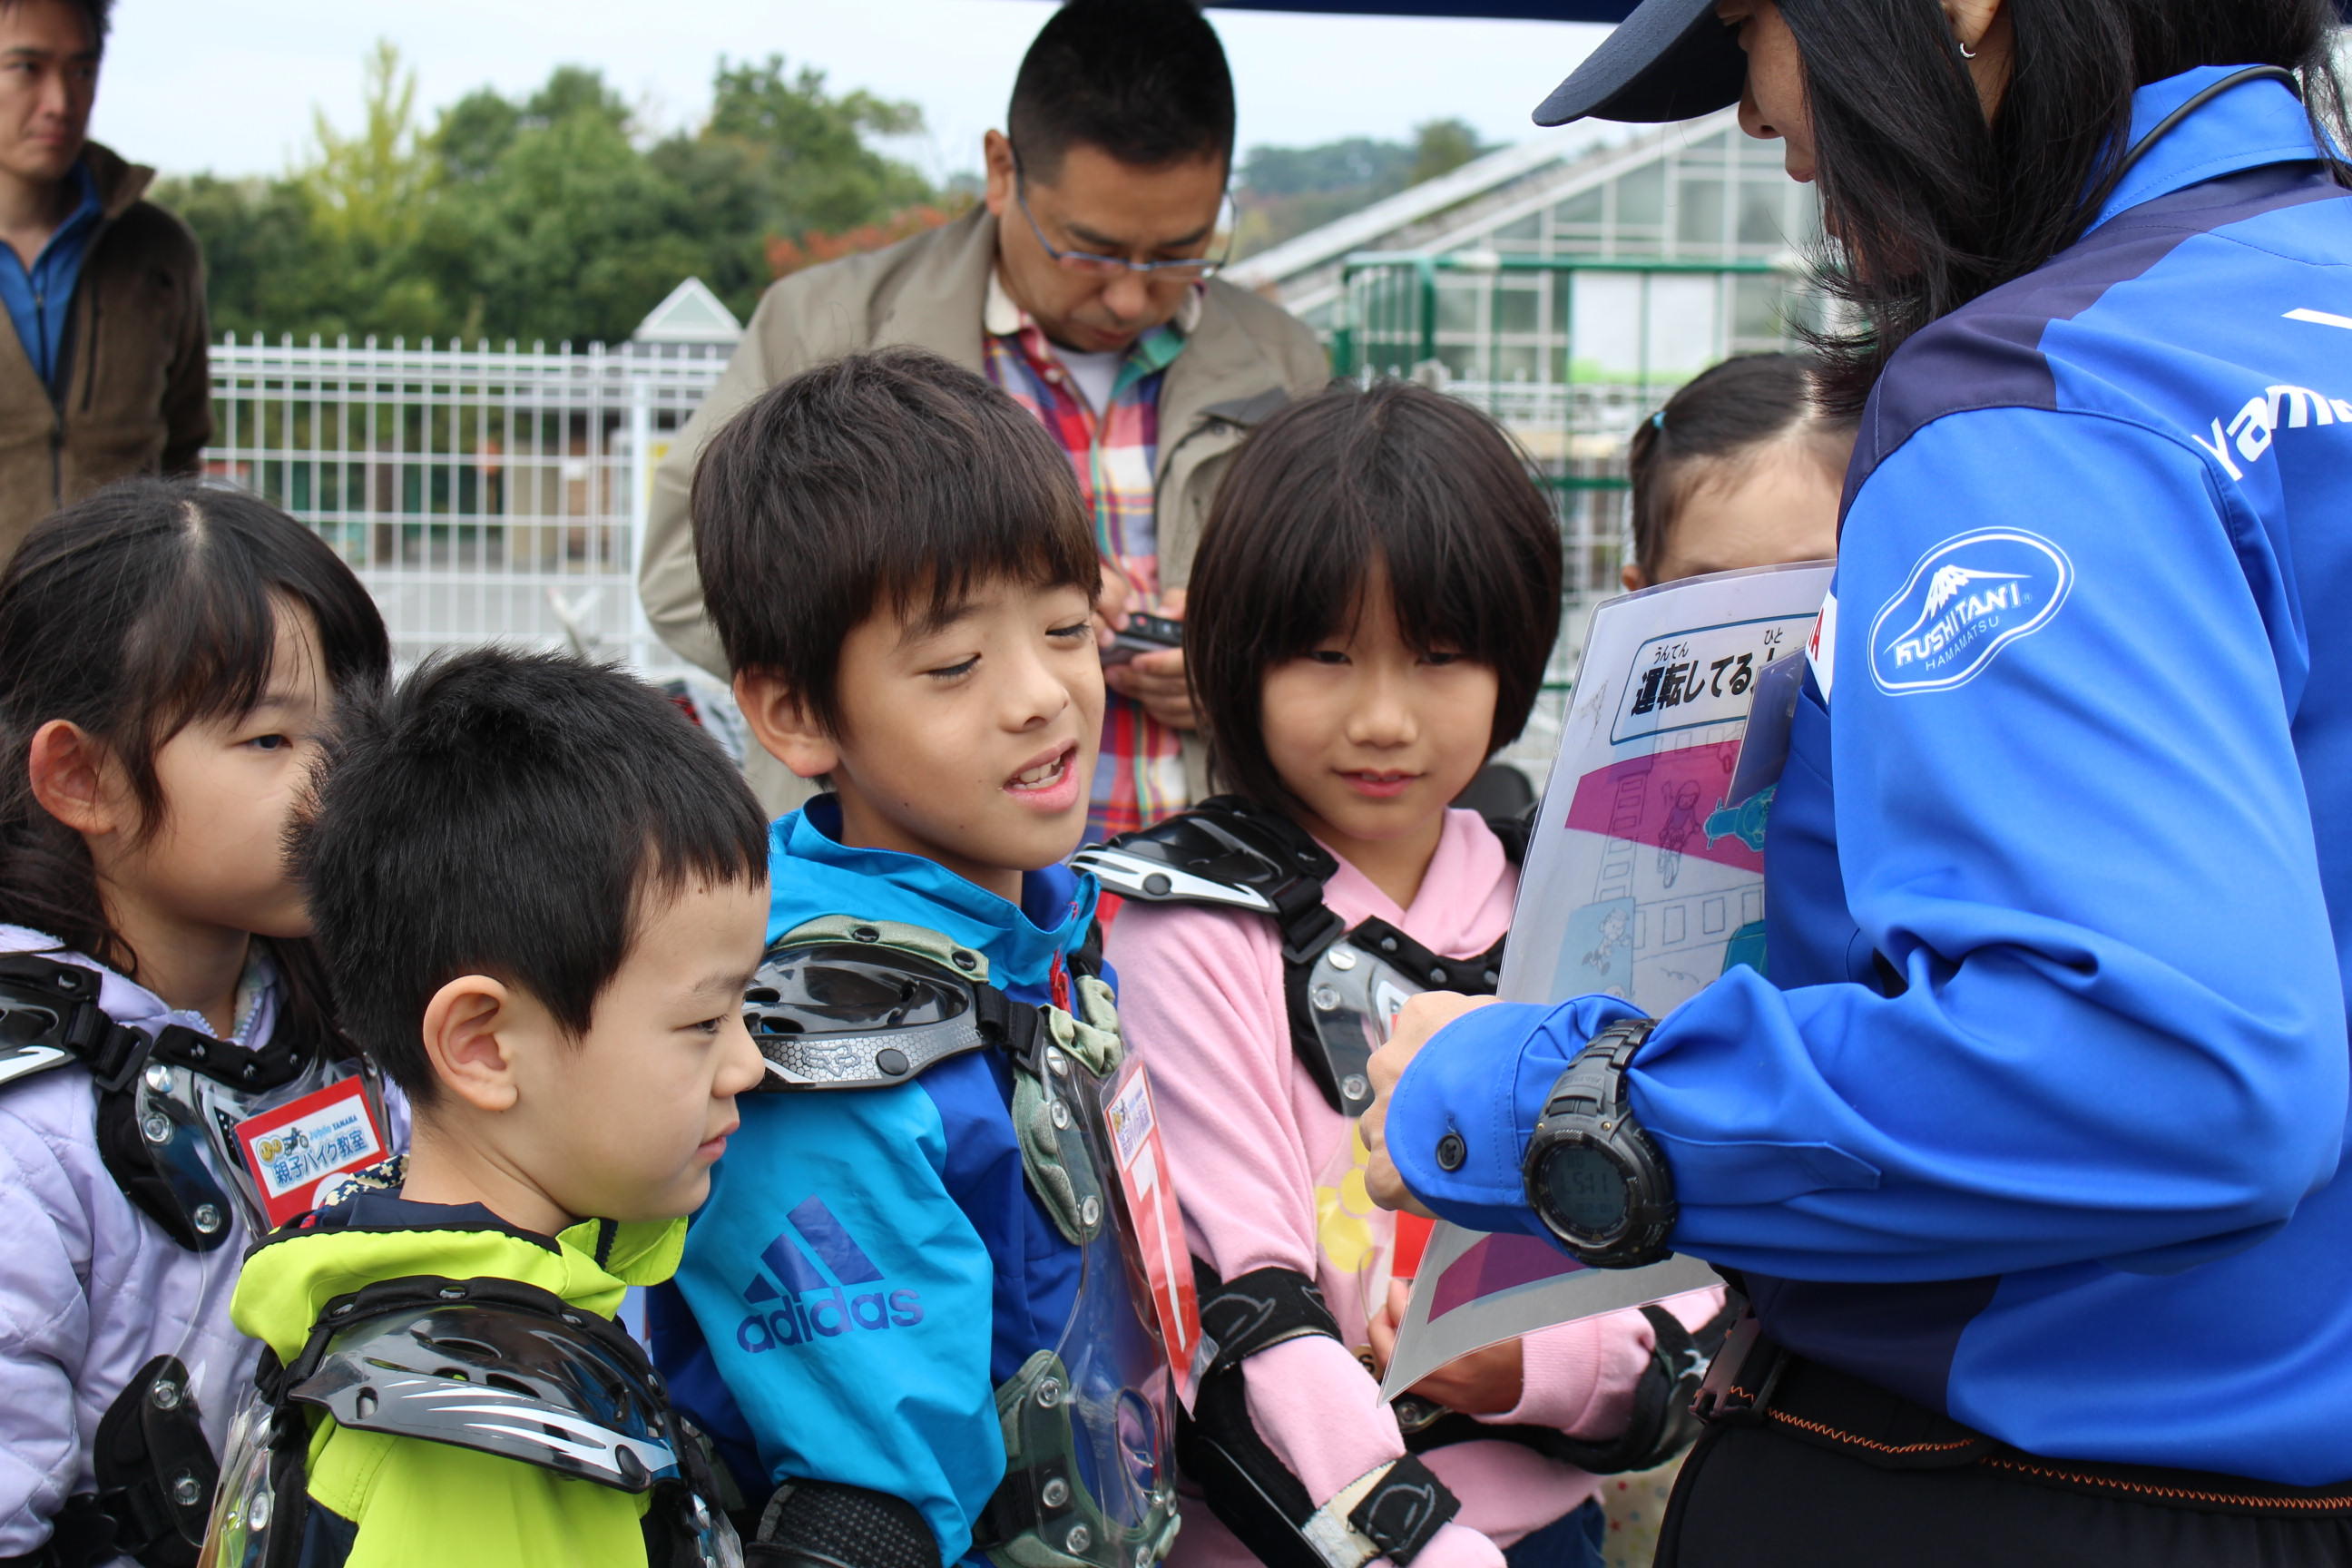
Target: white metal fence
(482,494)
(499,495)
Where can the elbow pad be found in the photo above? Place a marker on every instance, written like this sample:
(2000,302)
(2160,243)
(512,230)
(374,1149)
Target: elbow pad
(1390,1511)
(1659,1425)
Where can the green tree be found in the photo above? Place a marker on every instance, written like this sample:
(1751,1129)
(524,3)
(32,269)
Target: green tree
(549,216)
(474,132)
(368,195)
(1283,192)
(371,189)
(261,255)
(1442,146)
(569,235)
(813,148)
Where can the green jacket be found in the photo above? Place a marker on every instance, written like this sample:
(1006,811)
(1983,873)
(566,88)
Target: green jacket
(402,1502)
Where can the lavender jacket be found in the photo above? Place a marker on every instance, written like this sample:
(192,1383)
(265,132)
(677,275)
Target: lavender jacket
(90,1288)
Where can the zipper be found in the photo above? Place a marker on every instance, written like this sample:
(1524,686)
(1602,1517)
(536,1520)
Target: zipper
(89,358)
(48,380)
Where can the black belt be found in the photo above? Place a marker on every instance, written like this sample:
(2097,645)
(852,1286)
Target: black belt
(1755,1383)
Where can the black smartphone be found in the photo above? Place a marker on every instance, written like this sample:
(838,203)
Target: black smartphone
(1143,634)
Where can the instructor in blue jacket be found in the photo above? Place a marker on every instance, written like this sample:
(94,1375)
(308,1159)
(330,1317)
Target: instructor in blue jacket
(2029,1153)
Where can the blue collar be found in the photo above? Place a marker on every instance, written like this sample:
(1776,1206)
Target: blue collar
(812,873)
(2254,123)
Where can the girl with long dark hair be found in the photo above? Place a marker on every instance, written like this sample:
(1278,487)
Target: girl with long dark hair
(170,1085)
(2028,1154)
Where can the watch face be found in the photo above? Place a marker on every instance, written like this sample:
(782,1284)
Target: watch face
(1585,1189)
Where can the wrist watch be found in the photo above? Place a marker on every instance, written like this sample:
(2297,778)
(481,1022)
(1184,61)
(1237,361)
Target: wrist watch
(1592,1176)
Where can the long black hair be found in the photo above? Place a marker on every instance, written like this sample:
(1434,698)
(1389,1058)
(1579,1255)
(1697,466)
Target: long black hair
(146,608)
(1931,205)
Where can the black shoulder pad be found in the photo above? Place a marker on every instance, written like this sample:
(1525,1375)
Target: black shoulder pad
(1515,830)
(1228,854)
(49,1017)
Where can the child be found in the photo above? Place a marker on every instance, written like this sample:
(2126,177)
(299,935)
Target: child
(911,1330)
(1738,469)
(169,654)
(540,892)
(1376,595)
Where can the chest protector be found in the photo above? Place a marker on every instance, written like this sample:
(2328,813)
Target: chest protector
(1089,1427)
(494,1365)
(167,1107)
(1342,987)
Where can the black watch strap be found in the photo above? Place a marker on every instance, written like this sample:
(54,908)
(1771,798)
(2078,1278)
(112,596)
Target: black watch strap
(1595,1081)
(1590,1109)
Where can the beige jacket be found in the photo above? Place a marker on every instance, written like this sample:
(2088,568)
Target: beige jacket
(137,392)
(1244,360)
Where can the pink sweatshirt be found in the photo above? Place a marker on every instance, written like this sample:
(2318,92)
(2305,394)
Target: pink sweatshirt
(1251,1138)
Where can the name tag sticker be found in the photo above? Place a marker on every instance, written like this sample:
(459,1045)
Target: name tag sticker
(294,1148)
(1158,1225)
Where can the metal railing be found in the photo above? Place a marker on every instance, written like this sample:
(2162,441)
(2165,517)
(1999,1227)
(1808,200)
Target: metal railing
(481,494)
(499,494)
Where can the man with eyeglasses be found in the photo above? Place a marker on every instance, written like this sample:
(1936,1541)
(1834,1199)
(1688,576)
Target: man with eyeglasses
(1085,286)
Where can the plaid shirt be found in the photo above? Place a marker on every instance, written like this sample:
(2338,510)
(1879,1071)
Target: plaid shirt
(1141,777)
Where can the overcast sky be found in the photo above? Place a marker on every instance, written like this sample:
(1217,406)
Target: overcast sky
(229,85)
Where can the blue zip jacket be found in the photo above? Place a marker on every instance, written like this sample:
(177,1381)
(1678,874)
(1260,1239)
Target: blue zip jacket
(871,1264)
(2041,1125)
(39,298)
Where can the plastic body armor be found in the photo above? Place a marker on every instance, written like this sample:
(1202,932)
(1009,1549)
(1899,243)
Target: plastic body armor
(167,1107)
(1088,1424)
(1343,987)
(494,1365)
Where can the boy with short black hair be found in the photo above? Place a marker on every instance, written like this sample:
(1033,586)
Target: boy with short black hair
(904,1313)
(540,893)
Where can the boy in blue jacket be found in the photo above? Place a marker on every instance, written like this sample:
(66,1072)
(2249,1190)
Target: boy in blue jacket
(904,1313)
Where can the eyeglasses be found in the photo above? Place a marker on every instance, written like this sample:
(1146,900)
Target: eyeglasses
(1101,265)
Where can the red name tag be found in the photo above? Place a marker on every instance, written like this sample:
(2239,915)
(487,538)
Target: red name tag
(1151,1194)
(292,1149)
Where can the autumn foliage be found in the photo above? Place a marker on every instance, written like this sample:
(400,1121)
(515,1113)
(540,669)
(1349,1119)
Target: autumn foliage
(815,247)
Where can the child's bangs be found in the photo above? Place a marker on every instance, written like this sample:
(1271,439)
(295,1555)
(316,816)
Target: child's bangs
(1032,535)
(206,651)
(1448,596)
(206,647)
(1321,560)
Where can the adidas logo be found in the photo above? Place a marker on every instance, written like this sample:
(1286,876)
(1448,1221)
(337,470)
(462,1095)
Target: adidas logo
(796,1300)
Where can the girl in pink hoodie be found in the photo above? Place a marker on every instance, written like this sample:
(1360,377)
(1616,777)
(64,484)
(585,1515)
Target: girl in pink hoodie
(1374,601)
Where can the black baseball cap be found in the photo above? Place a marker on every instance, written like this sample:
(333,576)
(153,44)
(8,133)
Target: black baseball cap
(1671,59)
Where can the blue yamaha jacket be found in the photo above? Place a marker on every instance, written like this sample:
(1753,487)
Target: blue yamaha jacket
(871,1264)
(2040,1118)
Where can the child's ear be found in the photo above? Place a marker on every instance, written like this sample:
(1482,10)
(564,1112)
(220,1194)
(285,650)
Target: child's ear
(783,725)
(75,777)
(461,1041)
